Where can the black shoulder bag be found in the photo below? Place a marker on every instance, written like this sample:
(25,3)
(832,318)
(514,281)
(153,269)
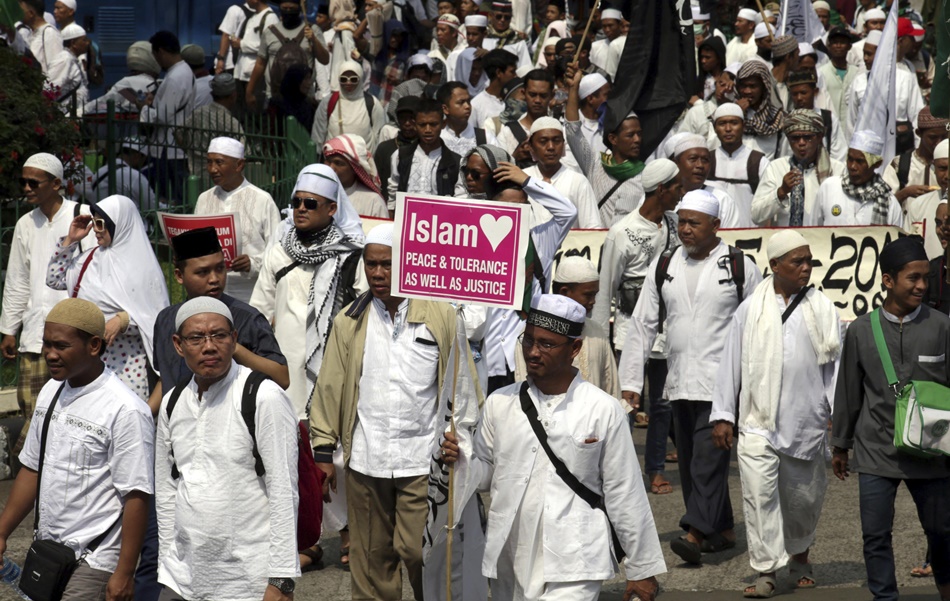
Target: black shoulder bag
(49,564)
(592,498)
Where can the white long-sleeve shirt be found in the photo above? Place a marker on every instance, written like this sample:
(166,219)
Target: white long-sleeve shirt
(552,216)
(807,389)
(907,95)
(46,44)
(575,187)
(251,43)
(422,173)
(461,143)
(67,76)
(734,167)
(738,51)
(629,248)
(26,297)
(834,207)
(696,326)
(766,204)
(569,539)
(259,218)
(222,530)
(485,106)
(173,102)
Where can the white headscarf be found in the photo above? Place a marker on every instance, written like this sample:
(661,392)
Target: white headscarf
(313,179)
(463,69)
(124,276)
(357,68)
(555,31)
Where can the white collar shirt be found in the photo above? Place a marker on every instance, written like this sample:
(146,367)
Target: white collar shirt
(466,141)
(767,206)
(574,186)
(731,169)
(397,409)
(833,208)
(99,448)
(174,101)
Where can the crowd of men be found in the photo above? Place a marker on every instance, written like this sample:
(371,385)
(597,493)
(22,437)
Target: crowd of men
(162,439)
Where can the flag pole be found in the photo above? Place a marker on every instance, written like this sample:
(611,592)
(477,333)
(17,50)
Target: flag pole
(768,26)
(590,18)
(451,497)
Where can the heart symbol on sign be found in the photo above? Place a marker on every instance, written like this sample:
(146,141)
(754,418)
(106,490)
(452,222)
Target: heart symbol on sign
(496,230)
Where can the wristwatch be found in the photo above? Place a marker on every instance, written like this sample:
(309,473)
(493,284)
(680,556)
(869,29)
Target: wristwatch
(218,57)
(284,585)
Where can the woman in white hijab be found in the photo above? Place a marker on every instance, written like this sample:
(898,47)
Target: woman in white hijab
(345,112)
(122,277)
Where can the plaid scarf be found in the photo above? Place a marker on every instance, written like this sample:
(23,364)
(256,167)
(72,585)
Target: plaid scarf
(877,191)
(508,36)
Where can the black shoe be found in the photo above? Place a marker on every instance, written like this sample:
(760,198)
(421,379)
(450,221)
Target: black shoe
(690,552)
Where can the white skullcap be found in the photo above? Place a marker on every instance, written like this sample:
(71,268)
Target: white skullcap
(590,84)
(942,151)
(657,173)
(557,314)
(749,15)
(476,21)
(875,14)
(821,4)
(46,162)
(576,270)
(611,13)
(524,70)
(670,147)
(804,49)
(72,32)
(135,143)
(874,38)
(867,141)
(761,31)
(690,140)
(202,304)
(698,14)
(728,109)
(229,147)
(381,234)
(420,59)
(784,241)
(767,13)
(545,123)
(700,201)
(70,4)
(733,68)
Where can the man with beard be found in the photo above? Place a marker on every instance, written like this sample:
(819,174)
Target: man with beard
(593,91)
(919,212)
(862,198)
(790,184)
(309,276)
(693,291)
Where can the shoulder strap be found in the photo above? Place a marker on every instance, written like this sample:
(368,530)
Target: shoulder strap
(280,37)
(609,193)
(82,271)
(299,37)
(248,13)
(885,355)
(284,271)
(826,119)
(331,103)
(169,407)
(78,207)
(39,466)
(368,98)
(589,496)
(798,299)
(737,260)
(517,130)
(248,411)
(711,176)
(752,169)
(903,168)
(662,268)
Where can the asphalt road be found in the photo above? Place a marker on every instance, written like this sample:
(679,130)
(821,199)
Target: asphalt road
(839,568)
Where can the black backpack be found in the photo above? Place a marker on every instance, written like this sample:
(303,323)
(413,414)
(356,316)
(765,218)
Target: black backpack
(290,53)
(736,267)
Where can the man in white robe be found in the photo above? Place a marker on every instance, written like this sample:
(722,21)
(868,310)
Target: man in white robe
(547,148)
(742,47)
(701,289)
(778,366)
(544,541)
(256,210)
(610,21)
(915,171)
(207,486)
(735,168)
(919,212)
(693,159)
(802,91)
(593,91)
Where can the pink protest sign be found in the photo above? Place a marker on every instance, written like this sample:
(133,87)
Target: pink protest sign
(461,250)
(226,225)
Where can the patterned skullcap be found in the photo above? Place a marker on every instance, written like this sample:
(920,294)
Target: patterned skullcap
(784,45)
(926,120)
(804,120)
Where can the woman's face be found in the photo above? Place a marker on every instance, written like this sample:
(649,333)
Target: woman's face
(349,81)
(476,174)
(103,238)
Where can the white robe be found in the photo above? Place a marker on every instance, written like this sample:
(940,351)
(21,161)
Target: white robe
(919,219)
(919,173)
(738,51)
(484,107)
(907,93)
(766,204)
(834,207)
(577,189)
(837,88)
(258,217)
(696,327)
(698,120)
(735,167)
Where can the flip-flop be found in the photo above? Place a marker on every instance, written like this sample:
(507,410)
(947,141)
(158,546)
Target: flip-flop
(316,558)
(641,420)
(688,551)
(924,571)
(762,588)
(661,488)
(672,457)
(345,558)
(714,543)
(801,571)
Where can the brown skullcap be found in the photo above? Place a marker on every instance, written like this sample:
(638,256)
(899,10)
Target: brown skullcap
(926,120)
(783,45)
(80,314)
(799,77)
(804,120)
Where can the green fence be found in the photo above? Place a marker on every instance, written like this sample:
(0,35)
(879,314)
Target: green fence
(276,149)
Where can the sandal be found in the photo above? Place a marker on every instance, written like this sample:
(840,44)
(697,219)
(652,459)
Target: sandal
(714,543)
(688,551)
(641,420)
(801,572)
(345,558)
(661,488)
(924,571)
(672,457)
(763,588)
(315,554)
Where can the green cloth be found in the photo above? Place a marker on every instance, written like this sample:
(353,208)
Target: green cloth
(10,12)
(622,171)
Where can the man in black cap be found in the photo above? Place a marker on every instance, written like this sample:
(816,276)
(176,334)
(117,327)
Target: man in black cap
(917,339)
(837,73)
(406,120)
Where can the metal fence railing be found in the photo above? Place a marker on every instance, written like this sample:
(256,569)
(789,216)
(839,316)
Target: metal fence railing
(162,168)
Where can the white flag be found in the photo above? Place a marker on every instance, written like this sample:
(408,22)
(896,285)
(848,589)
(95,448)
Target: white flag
(798,18)
(460,397)
(878,110)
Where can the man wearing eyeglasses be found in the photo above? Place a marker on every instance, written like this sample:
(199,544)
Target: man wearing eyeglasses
(226,530)
(26,297)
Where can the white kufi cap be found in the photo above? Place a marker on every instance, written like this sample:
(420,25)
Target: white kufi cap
(728,109)
(611,13)
(590,84)
(867,141)
(761,31)
(44,161)
(476,21)
(690,140)
(557,314)
(700,201)
(545,123)
(698,14)
(576,270)
(875,14)
(821,4)
(72,32)
(942,151)
(70,4)
(381,234)
(229,147)
(804,49)
(202,304)
(657,173)
(874,38)
(784,241)
(749,15)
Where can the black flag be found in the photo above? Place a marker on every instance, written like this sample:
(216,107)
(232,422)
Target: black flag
(656,71)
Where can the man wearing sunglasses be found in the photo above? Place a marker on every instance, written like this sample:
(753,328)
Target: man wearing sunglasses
(26,297)
(502,35)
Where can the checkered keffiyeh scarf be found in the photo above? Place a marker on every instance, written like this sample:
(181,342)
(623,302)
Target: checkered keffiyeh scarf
(353,148)
(767,118)
(876,191)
